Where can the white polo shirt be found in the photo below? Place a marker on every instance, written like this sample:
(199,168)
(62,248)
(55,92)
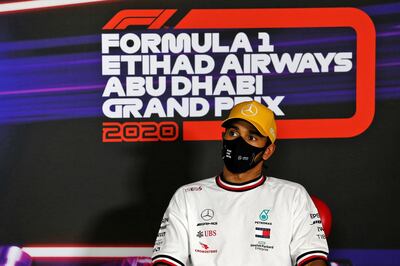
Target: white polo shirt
(267,221)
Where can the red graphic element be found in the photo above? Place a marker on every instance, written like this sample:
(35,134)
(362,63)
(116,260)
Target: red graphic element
(140,131)
(298,18)
(324,213)
(203,245)
(266,233)
(153,18)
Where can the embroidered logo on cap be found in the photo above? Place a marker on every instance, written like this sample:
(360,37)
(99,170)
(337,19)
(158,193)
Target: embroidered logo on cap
(249,110)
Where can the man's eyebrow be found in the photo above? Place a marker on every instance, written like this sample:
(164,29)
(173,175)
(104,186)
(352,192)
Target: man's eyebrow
(232,126)
(255,132)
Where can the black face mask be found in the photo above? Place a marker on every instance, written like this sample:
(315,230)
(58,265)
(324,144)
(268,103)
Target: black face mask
(239,156)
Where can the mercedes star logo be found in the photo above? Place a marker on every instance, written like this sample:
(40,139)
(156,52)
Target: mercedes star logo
(207,214)
(249,110)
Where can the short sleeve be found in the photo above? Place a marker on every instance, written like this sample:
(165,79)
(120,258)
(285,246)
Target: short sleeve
(308,238)
(172,244)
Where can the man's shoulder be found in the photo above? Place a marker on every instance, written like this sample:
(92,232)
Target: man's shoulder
(198,185)
(284,183)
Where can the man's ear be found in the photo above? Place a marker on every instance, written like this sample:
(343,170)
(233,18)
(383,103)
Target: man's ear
(268,152)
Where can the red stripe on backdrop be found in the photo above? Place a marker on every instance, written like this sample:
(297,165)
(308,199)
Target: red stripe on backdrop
(298,18)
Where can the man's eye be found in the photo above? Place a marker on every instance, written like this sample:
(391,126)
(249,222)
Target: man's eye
(232,133)
(252,137)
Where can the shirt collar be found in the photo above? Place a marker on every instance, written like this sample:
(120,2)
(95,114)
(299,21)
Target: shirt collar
(222,183)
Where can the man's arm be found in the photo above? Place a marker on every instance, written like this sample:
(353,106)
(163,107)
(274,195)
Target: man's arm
(315,263)
(308,246)
(171,245)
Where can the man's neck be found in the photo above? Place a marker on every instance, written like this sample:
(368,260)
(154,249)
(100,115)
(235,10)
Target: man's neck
(247,176)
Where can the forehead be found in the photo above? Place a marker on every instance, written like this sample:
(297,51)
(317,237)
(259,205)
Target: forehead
(242,125)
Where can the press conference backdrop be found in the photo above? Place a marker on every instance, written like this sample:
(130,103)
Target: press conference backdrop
(103,116)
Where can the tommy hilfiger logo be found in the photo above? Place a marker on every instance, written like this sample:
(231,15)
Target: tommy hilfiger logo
(263,232)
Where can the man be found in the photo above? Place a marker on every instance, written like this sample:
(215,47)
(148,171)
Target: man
(242,217)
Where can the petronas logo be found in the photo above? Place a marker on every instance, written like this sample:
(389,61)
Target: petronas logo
(264,215)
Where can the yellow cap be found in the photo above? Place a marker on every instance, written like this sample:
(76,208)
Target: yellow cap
(256,114)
